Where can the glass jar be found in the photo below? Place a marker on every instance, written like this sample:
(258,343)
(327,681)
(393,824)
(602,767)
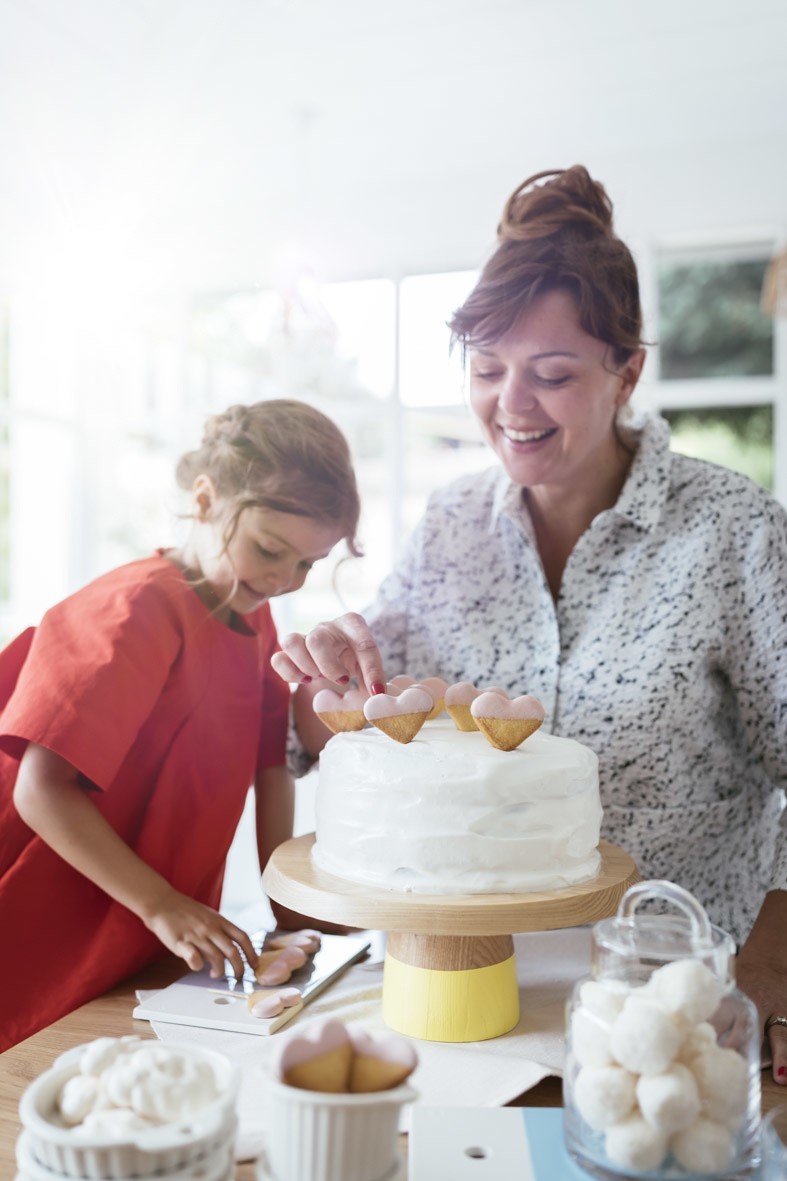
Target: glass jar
(662,1073)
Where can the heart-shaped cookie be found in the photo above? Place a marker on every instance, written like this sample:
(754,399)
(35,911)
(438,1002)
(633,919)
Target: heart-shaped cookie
(436,687)
(458,699)
(269,1002)
(380,1063)
(274,967)
(317,1061)
(399,717)
(308,940)
(506,723)
(398,684)
(340,712)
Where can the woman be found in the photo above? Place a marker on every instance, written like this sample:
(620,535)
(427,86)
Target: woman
(641,595)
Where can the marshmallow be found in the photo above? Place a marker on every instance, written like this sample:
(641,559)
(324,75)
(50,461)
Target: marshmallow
(603,999)
(722,1078)
(635,1144)
(604,1095)
(80,1095)
(643,1037)
(113,1123)
(703,1147)
(699,1038)
(686,987)
(590,1039)
(102,1052)
(669,1101)
(158,1084)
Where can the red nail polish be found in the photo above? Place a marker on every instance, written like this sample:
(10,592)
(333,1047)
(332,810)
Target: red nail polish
(343,680)
(377,688)
(306,680)
(781,1072)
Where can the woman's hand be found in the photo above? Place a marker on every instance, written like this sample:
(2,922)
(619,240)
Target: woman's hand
(761,972)
(336,650)
(198,934)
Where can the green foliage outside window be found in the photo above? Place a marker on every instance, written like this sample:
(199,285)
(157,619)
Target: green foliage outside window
(710,320)
(738,437)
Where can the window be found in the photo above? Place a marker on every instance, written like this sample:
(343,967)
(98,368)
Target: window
(718,384)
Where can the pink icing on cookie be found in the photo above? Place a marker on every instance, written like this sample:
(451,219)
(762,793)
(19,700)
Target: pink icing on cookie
(494,705)
(396,1050)
(275,1003)
(282,967)
(329,701)
(397,684)
(409,701)
(320,1039)
(461,693)
(465,693)
(308,940)
(436,686)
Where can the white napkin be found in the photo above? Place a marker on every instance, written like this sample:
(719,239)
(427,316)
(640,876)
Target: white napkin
(459,1074)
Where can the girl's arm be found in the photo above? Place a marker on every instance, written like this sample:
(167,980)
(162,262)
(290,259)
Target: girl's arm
(51,801)
(274,810)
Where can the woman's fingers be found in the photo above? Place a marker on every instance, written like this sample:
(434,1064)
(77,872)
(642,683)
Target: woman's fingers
(777,1036)
(337,650)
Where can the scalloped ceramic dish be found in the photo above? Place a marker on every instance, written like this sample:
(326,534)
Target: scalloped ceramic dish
(166,1148)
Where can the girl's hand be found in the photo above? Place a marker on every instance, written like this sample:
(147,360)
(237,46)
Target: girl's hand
(198,934)
(336,650)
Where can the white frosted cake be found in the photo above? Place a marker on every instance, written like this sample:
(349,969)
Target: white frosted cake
(450,814)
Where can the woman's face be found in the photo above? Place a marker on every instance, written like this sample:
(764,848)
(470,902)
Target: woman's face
(544,399)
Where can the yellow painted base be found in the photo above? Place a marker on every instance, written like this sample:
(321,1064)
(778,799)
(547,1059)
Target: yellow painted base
(441,1006)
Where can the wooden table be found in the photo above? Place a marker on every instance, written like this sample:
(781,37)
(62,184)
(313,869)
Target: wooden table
(110,1016)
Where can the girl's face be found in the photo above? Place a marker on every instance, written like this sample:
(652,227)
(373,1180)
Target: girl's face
(544,399)
(269,554)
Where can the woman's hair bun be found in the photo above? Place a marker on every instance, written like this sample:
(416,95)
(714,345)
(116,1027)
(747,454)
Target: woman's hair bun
(569,197)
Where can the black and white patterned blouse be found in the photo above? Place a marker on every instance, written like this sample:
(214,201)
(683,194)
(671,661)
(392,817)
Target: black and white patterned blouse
(666,653)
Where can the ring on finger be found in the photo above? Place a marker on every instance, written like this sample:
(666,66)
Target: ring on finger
(775,1019)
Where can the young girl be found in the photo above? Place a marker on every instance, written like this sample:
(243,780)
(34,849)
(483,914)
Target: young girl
(137,715)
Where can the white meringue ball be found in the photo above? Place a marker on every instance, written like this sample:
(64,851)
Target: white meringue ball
(79,1095)
(643,1037)
(590,1039)
(123,1074)
(176,1090)
(699,1038)
(604,999)
(604,1095)
(635,1144)
(687,987)
(722,1078)
(113,1123)
(703,1147)
(669,1101)
(102,1052)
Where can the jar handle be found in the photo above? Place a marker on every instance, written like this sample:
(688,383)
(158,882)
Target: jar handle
(701,933)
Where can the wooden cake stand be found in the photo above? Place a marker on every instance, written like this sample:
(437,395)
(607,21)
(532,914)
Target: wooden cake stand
(450,971)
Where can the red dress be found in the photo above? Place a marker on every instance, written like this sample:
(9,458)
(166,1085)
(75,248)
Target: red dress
(166,713)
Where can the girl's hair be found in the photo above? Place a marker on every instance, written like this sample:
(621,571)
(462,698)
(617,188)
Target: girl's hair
(282,455)
(556,235)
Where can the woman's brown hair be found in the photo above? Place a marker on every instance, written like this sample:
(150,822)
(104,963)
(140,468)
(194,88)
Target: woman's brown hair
(281,455)
(557,234)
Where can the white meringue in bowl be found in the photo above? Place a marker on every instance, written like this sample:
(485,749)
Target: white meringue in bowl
(136,1109)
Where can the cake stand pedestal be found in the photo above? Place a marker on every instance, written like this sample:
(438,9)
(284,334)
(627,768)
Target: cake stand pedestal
(450,971)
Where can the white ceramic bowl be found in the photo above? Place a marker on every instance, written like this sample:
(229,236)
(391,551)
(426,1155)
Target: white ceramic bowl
(161,1149)
(218,1165)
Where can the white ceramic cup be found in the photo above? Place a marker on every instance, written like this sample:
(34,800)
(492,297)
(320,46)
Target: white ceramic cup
(321,1136)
